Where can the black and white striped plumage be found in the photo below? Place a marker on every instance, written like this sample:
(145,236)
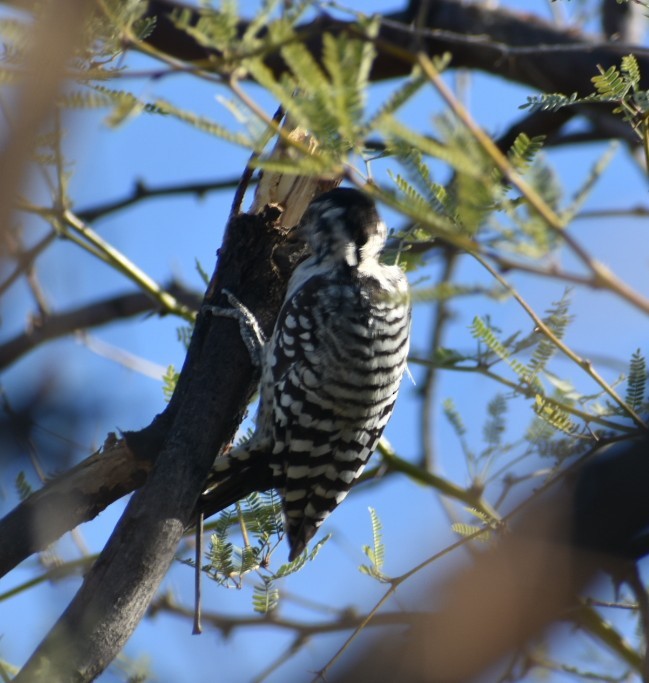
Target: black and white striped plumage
(332,368)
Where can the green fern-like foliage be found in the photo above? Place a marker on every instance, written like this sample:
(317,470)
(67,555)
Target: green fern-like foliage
(478,199)
(418,186)
(465,530)
(259,519)
(554,415)
(615,84)
(495,426)
(524,150)
(517,227)
(482,532)
(550,102)
(405,92)
(169,381)
(483,332)
(262,514)
(266,596)
(299,562)
(221,565)
(557,319)
(214,29)
(454,417)
(618,85)
(184,335)
(637,381)
(376,552)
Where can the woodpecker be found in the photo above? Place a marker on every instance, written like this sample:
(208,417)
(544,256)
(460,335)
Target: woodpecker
(331,370)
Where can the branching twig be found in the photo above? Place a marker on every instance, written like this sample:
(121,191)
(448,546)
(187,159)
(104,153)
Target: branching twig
(584,364)
(226,623)
(394,584)
(529,392)
(142,192)
(500,589)
(85,317)
(602,276)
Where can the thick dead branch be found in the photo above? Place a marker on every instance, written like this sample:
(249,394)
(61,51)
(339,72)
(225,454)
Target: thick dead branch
(80,495)
(215,386)
(211,395)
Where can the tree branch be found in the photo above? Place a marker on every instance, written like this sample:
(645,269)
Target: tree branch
(212,393)
(62,504)
(141,191)
(513,45)
(92,315)
(346,621)
(201,417)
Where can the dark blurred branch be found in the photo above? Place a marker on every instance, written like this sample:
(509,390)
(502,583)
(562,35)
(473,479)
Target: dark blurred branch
(555,547)
(514,45)
(44,329)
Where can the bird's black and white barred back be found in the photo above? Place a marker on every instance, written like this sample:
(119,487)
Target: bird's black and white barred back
(333,365)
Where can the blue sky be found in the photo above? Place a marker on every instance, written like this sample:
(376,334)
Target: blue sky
(165,238)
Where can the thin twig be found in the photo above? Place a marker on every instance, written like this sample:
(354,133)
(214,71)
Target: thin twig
(95,314)
(197,629)
(470,497)
(246,176)
(583,363)
(394,584)
(142,192)
(126,266)
(529,392)
(26,260)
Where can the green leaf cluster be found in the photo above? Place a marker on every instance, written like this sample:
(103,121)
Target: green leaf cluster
(619,85)
(482,532)
(258,518)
